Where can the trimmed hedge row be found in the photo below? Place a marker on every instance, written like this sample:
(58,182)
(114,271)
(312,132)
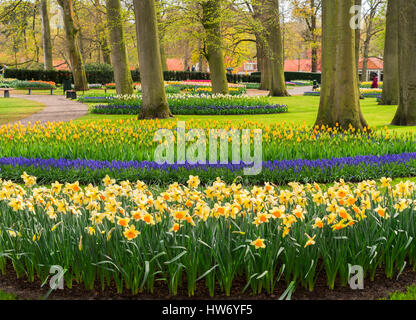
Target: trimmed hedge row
(291,76)
(108,76)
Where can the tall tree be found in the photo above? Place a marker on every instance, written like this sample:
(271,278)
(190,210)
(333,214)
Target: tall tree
(72,41)
(211,21)
(160,18)
(390,95)
(46,35)
(275,48)
(154,102)
(308,11)
(339,102)
(371,29)
(406,111)
(120,60)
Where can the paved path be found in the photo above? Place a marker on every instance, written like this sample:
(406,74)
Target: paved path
(57,108)
(296,91)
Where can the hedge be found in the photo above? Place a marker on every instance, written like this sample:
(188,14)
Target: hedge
(104,77)
(291,76)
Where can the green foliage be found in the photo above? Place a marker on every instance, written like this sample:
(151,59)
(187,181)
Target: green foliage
(102,67)
(6,296)
(410,294)
(291,76)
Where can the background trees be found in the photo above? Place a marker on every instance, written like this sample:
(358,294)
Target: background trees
(72,42)
(308,11)
(216,36)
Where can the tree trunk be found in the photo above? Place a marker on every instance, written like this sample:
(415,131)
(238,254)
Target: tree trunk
(275,49)
(366,50)
(77,65)
(259,54)
(314,58)
(201,57)
(120,60)
(105,50)
(154,102)
(211,22)
(263,63)
(163,56)
(406,111)
(390,94)
(339,102)
(266,76)
(46,35)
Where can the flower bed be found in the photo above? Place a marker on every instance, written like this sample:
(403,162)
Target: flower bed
(368,84)
(338,154)
(131,236)
(205,87)
(194,110)
(190,104)
(95,85)
(368,93)
(208,90)
(38,85)
(278,171)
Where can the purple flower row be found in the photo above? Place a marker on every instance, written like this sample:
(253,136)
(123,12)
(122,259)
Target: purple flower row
(277,165)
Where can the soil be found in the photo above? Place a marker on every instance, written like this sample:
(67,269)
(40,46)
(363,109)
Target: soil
(377,289)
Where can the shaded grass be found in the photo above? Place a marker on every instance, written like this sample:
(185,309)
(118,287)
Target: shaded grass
(13,109)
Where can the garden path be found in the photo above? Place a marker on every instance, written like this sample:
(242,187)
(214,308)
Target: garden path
(57,108)
(296,91)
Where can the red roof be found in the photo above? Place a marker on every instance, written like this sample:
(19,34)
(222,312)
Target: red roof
(373,64)
(301,65)
(175,64)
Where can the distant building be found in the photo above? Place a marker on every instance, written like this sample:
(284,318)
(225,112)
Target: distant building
(374,66)
(300,65)
(247,67)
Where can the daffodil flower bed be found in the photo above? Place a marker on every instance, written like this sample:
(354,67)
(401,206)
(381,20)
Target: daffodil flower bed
(133,236)
(89,150)
(368,84)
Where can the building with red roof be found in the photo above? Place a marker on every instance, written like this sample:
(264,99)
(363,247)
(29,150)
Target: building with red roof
(374,66)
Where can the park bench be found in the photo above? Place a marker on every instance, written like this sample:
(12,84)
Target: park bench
(30,90)
(6,92)
(71,94)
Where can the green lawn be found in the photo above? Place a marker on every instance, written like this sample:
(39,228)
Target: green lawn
(410,294)
(6,296)
(301,110)
(13,109)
